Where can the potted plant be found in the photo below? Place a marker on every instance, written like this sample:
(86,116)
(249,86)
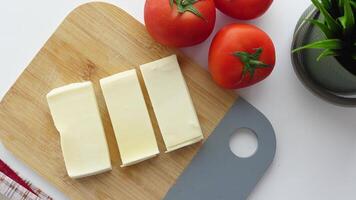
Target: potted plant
(324,50)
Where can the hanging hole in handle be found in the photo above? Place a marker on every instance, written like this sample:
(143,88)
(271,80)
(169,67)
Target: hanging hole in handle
(243,143)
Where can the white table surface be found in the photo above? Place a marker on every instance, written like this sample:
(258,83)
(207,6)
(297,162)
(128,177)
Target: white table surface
(316,155)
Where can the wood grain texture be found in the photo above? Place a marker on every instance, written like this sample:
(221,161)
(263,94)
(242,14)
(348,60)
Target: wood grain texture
(97,40)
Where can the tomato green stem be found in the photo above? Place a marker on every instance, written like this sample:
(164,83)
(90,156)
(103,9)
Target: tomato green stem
(251,62)
(186,6)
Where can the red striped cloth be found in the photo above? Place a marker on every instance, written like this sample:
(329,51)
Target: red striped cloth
(14,187)
(6,170)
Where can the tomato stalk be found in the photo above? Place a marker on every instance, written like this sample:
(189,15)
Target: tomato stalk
(186,6)
(251,62)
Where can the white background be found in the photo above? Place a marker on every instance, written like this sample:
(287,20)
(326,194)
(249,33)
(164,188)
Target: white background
(316,155)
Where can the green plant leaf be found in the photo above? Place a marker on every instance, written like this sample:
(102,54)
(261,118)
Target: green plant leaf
(326,4)
(353,4)
(326,53)
(330,21)
(324,28)
(337,20)
(349,19)
(332,44)
(342,20)
(171,2)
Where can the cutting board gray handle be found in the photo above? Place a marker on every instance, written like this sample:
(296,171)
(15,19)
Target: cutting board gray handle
(215,173)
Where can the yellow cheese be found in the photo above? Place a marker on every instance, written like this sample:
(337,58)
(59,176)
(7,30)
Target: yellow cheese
(129,116)
(172,103)
(76,116)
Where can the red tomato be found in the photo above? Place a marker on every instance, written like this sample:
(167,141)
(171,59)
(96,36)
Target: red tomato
(243,9)
(240,55)
(180,23)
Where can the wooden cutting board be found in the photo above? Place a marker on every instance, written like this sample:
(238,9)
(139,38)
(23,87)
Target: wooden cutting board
(97,40)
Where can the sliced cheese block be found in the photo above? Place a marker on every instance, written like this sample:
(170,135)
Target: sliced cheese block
(76,116)
(129,116)
(171,103)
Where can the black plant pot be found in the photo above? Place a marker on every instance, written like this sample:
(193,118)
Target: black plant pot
(327,78)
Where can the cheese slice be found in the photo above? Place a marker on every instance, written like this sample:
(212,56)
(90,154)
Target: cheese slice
(76,116)
(129,116)
(171,103)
